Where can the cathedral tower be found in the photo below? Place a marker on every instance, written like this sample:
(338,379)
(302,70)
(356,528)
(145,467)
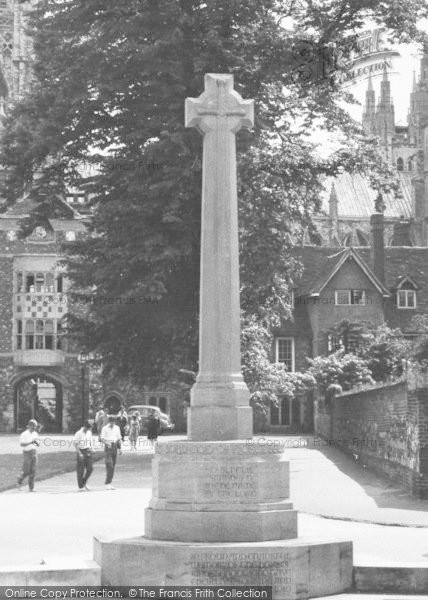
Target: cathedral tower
(369,115)
(385,117)
(15,49)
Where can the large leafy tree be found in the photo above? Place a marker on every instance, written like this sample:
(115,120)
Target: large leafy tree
(110,79)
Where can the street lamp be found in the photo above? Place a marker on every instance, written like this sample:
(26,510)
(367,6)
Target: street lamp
(83,358)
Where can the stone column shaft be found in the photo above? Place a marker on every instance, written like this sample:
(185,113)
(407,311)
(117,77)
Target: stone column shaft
(219,392)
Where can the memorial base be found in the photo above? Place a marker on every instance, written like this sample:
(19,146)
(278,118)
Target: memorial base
(220,515)
(296,569)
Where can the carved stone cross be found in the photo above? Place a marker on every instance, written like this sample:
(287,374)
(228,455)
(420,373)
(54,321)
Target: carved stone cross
(220,399)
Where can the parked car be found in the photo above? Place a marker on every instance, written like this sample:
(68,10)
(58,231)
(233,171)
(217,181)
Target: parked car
(144,410)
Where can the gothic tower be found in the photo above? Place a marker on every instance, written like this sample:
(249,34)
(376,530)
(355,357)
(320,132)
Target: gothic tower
(369,114)
(418,110)
(385,117)
(15,49)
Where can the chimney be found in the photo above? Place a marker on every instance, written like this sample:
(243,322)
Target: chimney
(377,246)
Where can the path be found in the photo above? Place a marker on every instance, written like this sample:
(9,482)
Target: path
(59,521)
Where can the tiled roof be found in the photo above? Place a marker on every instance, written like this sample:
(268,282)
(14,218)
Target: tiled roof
(356,198)
(335,262)
(401,261)
(318,262)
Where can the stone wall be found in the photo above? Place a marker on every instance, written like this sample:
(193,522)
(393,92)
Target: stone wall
(384,428)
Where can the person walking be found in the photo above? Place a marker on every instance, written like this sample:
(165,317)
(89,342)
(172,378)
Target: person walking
(29,442)
(123,422)
(134,431)
(83,443)
(153,427)
(112,440)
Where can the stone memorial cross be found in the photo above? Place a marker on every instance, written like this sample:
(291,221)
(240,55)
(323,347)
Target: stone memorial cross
(220,399)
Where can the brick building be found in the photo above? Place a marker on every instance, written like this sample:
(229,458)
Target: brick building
(40,375)
(361,266)
(379,285)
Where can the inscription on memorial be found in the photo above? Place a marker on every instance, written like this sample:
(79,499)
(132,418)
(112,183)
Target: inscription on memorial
(246,568)
(231,482)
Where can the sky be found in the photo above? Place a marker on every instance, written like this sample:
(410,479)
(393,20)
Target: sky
(401,78)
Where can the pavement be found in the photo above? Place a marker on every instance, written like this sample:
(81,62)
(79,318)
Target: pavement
(336,498)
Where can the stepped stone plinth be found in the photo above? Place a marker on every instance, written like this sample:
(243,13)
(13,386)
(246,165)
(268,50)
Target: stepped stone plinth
(220,514)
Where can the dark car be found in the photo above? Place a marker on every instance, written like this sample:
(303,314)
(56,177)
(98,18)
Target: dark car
(145,410)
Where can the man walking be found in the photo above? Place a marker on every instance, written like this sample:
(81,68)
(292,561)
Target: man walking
(29,441)
(84,447)
(112,440)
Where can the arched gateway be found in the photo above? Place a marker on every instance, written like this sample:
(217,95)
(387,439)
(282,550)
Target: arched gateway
(38,396)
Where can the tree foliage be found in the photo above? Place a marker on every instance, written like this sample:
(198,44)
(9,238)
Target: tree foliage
(110,80)
(267,381)
(351,335)
(386,351)
(346,370)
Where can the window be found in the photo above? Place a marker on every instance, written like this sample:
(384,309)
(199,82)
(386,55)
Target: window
(38,334)
(159,399)
(350,297)
(406,299)
(19,334)
(280,414)
(60,331)
(29,335)
(334,343)
(400,164)
(284,352)
(40,282)
(29,282)
(19,282)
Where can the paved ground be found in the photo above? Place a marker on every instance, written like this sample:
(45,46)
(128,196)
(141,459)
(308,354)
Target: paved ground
(59,521)
(9,443)
(326,482)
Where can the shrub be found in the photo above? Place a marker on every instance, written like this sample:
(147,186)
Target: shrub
(345,370)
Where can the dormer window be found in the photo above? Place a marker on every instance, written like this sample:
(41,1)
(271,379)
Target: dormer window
(406,298)
(406,293)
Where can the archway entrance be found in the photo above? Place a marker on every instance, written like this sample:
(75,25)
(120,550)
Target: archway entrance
(38,397)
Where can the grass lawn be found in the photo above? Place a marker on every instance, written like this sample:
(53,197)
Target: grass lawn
(49,464)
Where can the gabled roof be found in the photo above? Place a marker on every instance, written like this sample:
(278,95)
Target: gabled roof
(400,262)
(406,279)
(334,265)
(25,205)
